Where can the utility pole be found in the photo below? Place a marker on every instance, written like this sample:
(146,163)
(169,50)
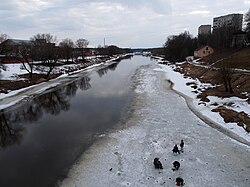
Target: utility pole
(104,43)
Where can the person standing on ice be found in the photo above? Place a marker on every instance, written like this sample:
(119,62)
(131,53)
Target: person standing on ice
(176,150)
(182,146)
(157,163)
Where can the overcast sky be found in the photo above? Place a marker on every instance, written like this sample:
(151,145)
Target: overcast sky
(125,23)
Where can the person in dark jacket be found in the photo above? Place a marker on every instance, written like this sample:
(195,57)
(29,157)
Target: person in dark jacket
(182,146)
(176,165)
(179,181)
(176,150)
(157,163)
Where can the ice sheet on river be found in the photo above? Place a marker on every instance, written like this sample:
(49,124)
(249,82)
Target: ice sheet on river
(161,119)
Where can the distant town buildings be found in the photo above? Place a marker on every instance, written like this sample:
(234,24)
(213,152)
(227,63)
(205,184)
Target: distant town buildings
(204,29)
(230,20)
(228,28)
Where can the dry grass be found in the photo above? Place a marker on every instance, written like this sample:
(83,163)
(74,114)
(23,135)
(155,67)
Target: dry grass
(239,59)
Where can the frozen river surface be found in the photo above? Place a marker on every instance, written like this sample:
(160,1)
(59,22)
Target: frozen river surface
(160,118)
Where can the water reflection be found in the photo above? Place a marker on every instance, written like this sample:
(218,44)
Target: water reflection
(11,128)
(113,66)
(105,70)
(9,135)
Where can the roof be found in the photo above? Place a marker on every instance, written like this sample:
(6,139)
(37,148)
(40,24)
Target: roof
(201,47)
(228,15)
(19,42)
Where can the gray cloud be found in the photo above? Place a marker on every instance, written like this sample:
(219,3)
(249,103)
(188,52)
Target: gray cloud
(130,23)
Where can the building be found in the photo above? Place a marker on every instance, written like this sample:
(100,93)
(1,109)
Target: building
(10,50)
(13,46)
(203,51)
(204,29)
(230,20)
(14,49)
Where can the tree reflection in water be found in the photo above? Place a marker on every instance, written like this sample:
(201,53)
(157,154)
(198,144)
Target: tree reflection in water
(11,128)
(105,70)
(113,66)
(9,135)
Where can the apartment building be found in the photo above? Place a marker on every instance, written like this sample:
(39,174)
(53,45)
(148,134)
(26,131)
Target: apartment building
(230,20)
(204,29)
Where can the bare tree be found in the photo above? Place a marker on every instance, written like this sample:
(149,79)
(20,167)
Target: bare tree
(44,36)
(44,49)
(67,46)
(25,52)
(42,43)
(226,74)
(3,48)
(53,56)
(82,44)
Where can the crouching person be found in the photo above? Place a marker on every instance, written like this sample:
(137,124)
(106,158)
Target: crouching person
(176,165)
(179,181)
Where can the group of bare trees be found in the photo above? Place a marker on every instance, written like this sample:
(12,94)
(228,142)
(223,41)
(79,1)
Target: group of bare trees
(42,48)
(178,47)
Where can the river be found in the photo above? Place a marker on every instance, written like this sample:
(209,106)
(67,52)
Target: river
(44,135)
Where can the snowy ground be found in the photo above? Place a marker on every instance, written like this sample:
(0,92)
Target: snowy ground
(161,119)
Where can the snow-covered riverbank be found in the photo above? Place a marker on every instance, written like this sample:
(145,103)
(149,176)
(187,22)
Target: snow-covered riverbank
(161,119)
(204,110)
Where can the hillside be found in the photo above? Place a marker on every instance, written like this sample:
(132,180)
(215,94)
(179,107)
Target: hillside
(233,58)
(240,81)
(239,59)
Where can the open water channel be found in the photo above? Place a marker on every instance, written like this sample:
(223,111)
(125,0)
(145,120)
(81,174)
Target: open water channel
(44,135)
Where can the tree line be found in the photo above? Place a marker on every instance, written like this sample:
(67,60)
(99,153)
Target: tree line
(42,48)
